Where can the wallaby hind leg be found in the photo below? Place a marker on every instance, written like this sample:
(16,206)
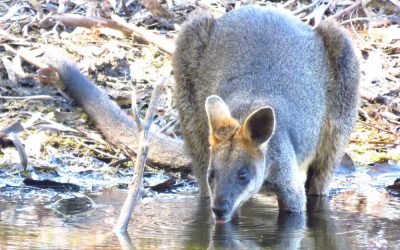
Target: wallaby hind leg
(341,106)
(328,155)
(191,91)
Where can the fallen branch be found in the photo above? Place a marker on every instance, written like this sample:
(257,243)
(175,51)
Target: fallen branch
(25,55)
(11,133)
(88,22)
(300,10)
(141,35)
(372,97)
(375,142)
(33,97)
(49,184)
(155,8)
(135,111)
(146,36)
(374,126)
(13,128)
(343,12)
(135,188)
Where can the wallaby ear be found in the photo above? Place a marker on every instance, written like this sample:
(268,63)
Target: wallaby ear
(259,125)
(216,109)
(220,120)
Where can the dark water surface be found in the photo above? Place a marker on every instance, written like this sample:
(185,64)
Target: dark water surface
(359,214)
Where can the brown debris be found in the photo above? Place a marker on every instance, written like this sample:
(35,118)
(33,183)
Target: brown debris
(118,46)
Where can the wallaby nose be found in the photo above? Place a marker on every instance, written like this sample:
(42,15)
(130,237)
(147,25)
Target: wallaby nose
(221,209)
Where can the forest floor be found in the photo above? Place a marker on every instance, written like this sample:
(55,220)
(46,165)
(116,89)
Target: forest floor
(47,134)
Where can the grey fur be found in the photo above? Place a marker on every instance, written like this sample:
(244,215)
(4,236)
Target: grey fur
(253,58)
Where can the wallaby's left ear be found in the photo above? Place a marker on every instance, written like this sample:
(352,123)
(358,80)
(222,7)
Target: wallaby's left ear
(259,125)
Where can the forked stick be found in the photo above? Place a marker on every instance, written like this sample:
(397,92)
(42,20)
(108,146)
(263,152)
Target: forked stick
(135,188)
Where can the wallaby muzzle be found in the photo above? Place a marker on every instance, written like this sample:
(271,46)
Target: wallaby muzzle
(221,209)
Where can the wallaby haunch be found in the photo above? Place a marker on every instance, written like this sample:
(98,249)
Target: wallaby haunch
(264,97)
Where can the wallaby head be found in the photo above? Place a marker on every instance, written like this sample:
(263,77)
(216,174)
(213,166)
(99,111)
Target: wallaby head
(237,155)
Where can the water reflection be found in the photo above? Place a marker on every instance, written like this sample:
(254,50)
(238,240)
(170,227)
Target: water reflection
(351,219)
(280,230)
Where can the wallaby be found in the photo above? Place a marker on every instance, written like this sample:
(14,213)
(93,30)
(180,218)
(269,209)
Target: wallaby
(117,128)
(263,97)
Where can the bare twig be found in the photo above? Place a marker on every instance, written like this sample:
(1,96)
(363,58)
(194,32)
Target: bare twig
(11,133)
(147,36)
(135,111)
(345,11)
(20,149)
(155,8)
(374,126)
(90,22)
(135,189)
(25,55)
(313,4)
(125,241)
(288,3)
(13,128)
(33,97)
(125,9)
(372,97)
(376,142)
(117,23)
(363,114)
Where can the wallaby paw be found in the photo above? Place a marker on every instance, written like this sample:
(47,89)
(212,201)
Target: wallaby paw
(292,209)
(290,201)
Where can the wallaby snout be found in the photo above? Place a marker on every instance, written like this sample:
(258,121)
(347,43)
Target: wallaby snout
(221,208)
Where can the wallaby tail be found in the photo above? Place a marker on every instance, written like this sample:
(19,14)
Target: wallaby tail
(113,123)
(341,109)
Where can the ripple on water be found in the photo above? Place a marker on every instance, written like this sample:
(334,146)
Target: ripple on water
(358,215)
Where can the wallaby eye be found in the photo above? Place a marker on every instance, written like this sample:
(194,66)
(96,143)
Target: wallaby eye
(243,174)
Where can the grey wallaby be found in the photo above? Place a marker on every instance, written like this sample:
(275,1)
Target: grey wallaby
(263,97)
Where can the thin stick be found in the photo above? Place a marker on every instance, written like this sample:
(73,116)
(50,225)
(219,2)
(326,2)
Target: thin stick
(135,188)
(298,11)
(155,8)
(344,11)
(375,142)
(374,126)
(20,149)
(89,22)
(146,36)
(24,54)
(290,2)
(135,111)
(32,97)
(141,35)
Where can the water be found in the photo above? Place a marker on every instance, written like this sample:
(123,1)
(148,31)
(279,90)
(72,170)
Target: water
(359,214)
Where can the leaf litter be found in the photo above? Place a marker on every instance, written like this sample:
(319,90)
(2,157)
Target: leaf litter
(62,144)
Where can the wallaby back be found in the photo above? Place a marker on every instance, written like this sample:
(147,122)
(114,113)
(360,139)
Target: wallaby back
(259,59)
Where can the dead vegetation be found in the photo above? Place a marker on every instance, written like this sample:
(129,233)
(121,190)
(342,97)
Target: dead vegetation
(125,44)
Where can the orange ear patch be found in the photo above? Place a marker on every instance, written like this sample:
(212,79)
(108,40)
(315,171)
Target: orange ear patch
(242,139)
(222,129)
